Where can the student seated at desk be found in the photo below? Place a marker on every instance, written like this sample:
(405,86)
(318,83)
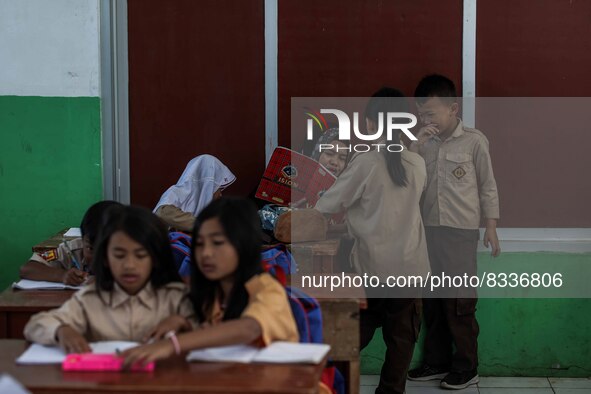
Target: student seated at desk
(331,152)
(136,288)
(203,180)
(71,262)
(234,300)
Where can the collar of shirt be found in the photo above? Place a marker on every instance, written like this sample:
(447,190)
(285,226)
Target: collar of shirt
(145,295)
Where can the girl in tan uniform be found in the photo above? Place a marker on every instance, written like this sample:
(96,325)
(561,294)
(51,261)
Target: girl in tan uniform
(380,192)
(136,288)
(234,300)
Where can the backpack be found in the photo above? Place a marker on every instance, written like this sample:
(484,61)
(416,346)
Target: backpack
(334,379)
(307,314)
(278,261)
(180,244)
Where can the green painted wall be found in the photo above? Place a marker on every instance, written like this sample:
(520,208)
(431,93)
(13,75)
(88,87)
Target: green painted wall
(524,337)
(50,171)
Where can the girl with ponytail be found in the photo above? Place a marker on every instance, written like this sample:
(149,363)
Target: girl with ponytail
(380,191)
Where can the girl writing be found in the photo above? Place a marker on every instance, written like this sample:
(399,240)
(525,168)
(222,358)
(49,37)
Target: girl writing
(136,288)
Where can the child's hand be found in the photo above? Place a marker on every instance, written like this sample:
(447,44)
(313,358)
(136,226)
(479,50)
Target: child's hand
(147,353)
(425,133)
(71,341)
(491,238)
(423,136)
(175,323)
(74,277)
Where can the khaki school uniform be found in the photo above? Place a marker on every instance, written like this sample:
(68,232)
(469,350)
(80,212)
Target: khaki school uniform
(460,180)
(461,189)
(385,221)
(176,218)
(117,316)
(383,218)
(61,257)
(269,306)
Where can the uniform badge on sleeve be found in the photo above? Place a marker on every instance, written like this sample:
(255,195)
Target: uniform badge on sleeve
(49,255)
(459,172)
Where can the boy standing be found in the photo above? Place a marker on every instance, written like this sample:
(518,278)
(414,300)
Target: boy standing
(460,186)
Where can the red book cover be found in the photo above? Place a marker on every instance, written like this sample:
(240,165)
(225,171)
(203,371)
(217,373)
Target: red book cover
(291,176)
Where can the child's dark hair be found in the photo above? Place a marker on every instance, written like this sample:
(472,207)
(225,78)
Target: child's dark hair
(93,219)
(383,101)
(241,224)
(435,85)
(143,227)
(310,145)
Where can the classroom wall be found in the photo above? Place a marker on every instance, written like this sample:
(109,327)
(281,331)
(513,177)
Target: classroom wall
(50,130)
(50,162)
(522,337)
(537,51)
(196,85)
(337,48)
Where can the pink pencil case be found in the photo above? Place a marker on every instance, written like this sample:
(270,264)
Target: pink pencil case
(100,362)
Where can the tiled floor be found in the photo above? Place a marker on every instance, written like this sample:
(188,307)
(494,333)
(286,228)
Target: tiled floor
(493,386)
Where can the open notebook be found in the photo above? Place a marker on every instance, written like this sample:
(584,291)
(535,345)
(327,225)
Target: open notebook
(39,354)
(26,284)
(10,385)
(277,352)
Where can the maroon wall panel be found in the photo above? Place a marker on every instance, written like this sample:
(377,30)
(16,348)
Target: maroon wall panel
(349,48)
(537,49)
(196,70)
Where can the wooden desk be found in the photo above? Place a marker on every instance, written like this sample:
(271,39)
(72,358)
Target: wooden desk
(17,306)
(340,309)
(171,376)
(317,257)
(340,321)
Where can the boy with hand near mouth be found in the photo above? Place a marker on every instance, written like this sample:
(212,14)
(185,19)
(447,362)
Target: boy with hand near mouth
(460,189)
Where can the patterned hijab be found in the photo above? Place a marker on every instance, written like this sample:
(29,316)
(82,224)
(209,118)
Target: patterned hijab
(326,138)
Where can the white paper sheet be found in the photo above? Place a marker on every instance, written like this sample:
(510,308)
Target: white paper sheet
(293,353)
(277,352)
(237,354)
(10,385)
(111,347)
(39,354)
(26,284)
(73,232)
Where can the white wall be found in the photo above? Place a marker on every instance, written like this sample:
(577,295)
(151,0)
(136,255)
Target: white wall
(49,48)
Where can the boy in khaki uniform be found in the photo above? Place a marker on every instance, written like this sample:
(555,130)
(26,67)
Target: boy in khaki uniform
(460,187)
(71,261)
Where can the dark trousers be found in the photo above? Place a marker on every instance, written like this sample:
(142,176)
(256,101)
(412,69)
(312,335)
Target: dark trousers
(452,321)
(400,321)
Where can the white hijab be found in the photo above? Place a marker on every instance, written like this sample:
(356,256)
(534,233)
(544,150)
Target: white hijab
(203,176)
